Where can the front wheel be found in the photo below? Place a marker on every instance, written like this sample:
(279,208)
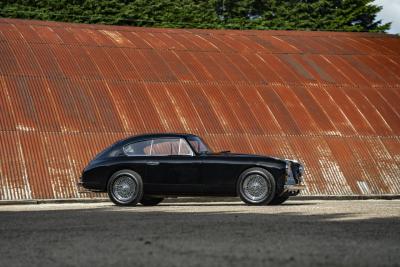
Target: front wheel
(256,186)
(125,188)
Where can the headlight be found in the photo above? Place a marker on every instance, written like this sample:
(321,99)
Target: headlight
(288,166)
(301,169)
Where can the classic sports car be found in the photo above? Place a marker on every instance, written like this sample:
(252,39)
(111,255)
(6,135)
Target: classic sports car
(147,168)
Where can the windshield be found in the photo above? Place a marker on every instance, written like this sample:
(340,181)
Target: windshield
(199,145)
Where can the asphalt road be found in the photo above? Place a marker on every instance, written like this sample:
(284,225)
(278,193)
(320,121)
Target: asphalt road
(298,233)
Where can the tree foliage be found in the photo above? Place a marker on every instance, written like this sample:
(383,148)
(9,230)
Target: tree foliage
(335,15)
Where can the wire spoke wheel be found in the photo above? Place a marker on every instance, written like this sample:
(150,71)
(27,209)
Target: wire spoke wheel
(124,188)
(255,187)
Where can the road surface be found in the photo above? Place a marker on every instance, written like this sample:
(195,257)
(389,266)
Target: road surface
(298,233)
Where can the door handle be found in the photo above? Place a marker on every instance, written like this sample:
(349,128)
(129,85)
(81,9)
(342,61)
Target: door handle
(153,163)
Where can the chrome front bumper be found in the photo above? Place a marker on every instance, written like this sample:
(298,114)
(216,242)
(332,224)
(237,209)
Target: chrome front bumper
(294,187)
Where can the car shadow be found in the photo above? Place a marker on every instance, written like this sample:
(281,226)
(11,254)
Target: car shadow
(216,204)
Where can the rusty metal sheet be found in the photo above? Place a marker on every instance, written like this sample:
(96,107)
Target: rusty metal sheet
(85,64)
(352,112)
(202,43)
(326,69)
(28,33)
(134,39)
(185,109)
(369,112)
(264,68)
(241,109)
(158,65)
(204,108)
(35,164)
(369,180)
(7,115)
(278,108)
(106,110)
(347,70)
(64,60)
(297,109)
(176,65)
(315,109)
(261,111)
(245,67)
(220,45)
(349,168)
(391,44)
(67,91)
(302,73)
(380,69)
(166,108)
(281,68)
(195,67)
(186,42)
(71,120)
(387,114)
(220,105)
(117,38)
(169,40)
(102,63)
(8,32)
(368,74)
(47,34)
(391,96)
(140,65)
(8,63)
(15,183)
(213,69)
(333,111)
(128,111)
(277,44)
(152,40)
(313,70)
(122,63)
(227,67)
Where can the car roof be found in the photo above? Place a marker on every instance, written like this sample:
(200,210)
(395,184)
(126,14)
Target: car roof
(156,135)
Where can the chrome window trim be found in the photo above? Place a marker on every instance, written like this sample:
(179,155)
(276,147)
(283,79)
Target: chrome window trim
(160,155)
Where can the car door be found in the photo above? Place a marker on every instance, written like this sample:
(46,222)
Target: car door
(219,173)
(172,168)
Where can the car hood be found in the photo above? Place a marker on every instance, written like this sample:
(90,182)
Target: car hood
(241,155)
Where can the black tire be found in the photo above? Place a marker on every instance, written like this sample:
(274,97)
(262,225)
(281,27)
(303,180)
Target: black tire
(279,199)
(262,180)
(132,190)
(150,201)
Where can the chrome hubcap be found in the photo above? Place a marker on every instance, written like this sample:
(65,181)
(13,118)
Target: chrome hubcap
(255,187)
(124,188)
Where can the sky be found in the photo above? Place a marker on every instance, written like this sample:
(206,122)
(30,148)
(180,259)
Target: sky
(390,13)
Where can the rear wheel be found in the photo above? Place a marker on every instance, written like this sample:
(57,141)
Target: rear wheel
(256,186)
(125,188)
(150,201)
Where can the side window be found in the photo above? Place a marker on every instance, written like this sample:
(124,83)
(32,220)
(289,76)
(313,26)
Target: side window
(141,148)
(184,148)
(170,146)
(159,147)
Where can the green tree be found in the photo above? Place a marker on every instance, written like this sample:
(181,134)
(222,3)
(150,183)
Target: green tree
(334,15)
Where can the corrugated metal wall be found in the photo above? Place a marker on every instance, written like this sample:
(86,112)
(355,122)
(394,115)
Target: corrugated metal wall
(331,100)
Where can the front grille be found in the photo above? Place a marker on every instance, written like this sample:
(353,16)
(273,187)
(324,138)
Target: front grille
(296,172)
